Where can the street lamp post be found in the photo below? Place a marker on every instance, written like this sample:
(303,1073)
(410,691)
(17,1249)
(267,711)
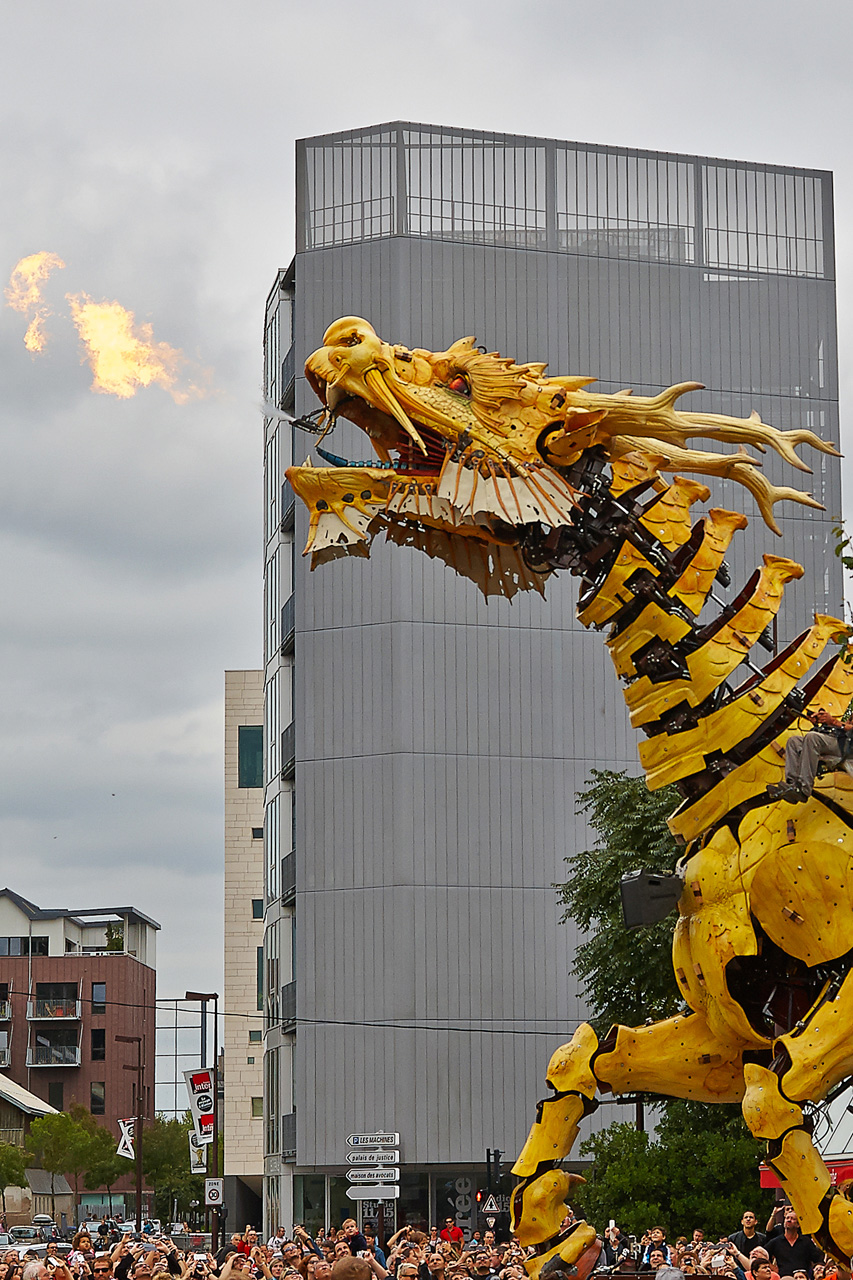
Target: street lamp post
(138,1067)
(203,997)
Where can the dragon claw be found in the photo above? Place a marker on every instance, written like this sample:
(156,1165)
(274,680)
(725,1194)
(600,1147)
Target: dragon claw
(574,1255)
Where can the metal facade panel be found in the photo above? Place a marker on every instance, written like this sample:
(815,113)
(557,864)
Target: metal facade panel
(441,740)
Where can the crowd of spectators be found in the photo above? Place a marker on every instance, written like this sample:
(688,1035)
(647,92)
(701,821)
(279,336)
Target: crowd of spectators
(780,1252)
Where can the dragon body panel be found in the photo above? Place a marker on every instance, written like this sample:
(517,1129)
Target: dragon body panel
(510,476)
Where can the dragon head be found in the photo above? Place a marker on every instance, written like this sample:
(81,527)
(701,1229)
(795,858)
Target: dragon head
(475,453)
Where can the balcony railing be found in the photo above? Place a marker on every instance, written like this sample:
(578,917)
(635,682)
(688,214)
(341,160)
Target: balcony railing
(288,508)
(5,1010)
(37,1010)
(14,1137)
(288,378)
(5,1060)
(288,1136)
(288,877)
(288,1007)
(53,1055)
(288,752)
(288,626)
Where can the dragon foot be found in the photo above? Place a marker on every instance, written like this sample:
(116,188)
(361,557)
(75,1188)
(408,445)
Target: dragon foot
(575,1255)
(835,1235)
(538,1210)
(824,1212)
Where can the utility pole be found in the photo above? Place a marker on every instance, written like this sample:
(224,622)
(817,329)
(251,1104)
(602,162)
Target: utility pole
(203,997)
(139,1068)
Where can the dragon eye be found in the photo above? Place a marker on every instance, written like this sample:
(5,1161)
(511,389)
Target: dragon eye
(460,385)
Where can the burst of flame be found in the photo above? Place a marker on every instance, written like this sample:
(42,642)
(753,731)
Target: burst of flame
(23,293)
(123,355)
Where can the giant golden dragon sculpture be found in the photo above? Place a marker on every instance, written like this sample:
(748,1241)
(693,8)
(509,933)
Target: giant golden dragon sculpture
(509,476)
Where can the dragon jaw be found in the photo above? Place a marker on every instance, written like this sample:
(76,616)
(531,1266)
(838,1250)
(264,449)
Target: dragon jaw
(474,449)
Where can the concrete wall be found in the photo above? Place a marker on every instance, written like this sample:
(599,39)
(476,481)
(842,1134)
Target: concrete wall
(244,881)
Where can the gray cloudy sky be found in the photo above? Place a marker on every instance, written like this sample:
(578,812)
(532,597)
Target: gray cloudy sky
(150,145)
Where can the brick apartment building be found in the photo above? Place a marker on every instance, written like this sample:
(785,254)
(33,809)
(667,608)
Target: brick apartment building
(70,982)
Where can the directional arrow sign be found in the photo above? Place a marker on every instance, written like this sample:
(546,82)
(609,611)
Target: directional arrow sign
(373,1193)
(373,1140)
(373,1157)
(373,1175)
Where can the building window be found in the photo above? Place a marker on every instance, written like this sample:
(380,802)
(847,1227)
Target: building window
(23,946)
(250,1062)
(98,1098)
(55,1097)
(255,1037)
(260,977)
(257,833)
(271,713)
(99,997)
(271,588)
(99,1044)
(250,755)
(271,847)
(257,1108)
(257,908)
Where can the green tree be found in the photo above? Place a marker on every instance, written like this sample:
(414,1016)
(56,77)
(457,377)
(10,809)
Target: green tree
(166,1164)
(104,1167)
(13,1163)
(699,1169)
(627,976)
(115,935)
(61,1142)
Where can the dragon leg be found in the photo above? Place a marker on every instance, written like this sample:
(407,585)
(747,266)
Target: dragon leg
(808,1062)
(679,1057)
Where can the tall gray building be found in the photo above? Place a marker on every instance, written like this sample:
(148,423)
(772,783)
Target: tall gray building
(422,748)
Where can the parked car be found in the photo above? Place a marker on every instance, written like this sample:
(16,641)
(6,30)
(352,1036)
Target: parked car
(20,1235)
(5,1239)
(36,1248)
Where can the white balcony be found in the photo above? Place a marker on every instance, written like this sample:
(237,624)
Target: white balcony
(54,1010)
(53,1055)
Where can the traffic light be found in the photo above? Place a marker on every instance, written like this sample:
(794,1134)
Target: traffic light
(493,1167)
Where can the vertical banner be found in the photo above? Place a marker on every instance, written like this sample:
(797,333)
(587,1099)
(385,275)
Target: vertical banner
(125,1142)
(198,1154)
(202,1102)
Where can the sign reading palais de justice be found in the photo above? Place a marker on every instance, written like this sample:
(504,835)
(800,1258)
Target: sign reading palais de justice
(373,1140)
(373,1157)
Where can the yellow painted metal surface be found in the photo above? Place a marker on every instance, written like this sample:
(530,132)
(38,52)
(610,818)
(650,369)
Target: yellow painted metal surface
(710,665)
(668,519)
(695,582)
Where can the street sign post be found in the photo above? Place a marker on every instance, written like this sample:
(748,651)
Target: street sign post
(378,1155)
(213,1188)
(373,1193)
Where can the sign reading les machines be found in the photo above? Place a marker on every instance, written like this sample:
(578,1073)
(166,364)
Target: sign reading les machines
(202,1104)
